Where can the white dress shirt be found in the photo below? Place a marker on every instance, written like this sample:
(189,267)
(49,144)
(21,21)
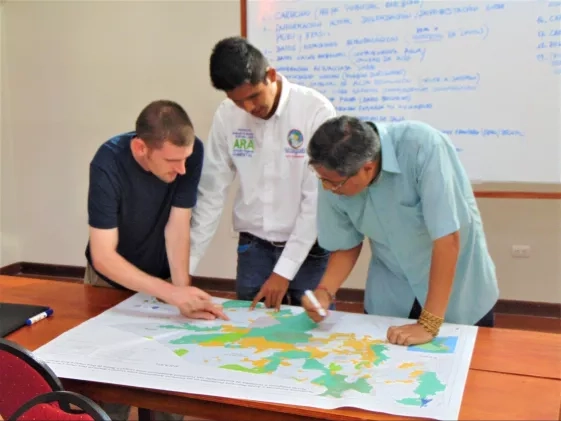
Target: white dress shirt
(277,197)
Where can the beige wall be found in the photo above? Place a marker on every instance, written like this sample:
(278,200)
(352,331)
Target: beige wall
(68,84)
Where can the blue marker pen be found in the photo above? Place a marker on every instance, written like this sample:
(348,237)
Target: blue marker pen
(40,316)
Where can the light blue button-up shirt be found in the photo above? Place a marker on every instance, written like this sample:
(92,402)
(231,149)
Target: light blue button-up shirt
(421,194)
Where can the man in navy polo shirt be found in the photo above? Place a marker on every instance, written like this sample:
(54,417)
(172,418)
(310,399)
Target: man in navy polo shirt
(143,185)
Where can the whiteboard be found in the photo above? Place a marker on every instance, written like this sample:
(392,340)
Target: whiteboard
(488,74)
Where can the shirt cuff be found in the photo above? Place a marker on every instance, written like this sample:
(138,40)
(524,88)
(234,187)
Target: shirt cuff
(193,263)
(286,268)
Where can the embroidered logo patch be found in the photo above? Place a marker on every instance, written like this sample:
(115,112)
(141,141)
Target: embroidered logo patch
(244,143)
(295,141)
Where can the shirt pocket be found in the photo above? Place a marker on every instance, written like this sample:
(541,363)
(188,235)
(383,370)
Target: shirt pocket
(416,246)
(411,219)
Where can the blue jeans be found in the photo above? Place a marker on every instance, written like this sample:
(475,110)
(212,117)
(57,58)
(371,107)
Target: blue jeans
(257,259)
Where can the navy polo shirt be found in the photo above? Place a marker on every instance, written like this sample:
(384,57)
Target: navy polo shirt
(125,196)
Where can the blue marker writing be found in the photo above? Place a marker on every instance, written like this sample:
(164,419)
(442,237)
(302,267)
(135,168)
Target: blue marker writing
(40,316)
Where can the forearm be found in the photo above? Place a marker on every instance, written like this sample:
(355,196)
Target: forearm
(339,267)
(442,272)
(177,248)
(119,270)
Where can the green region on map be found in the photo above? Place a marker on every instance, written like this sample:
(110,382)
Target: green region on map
(282,341)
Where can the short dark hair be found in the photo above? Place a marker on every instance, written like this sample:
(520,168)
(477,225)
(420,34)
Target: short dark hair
(234,62)
(344,144)
(164,120)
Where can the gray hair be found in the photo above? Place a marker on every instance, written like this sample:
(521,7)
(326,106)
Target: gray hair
(344,144)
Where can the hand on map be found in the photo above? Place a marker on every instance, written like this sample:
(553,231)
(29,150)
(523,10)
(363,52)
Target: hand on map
(412,334)
(196,304)
(273,290)
(324,300)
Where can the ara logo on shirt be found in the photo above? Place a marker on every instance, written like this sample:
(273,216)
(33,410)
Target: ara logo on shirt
(295,141)
(244,143)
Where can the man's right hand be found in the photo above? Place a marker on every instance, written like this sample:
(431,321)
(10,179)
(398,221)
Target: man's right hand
(196,304)
(324,300)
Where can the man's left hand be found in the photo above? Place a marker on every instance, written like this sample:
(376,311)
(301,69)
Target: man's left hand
(273,290)
(413,334)
(212,312)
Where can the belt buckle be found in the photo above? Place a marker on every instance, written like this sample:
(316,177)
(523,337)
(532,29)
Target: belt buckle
(278,244)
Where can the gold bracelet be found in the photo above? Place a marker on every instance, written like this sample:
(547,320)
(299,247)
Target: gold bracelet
(430,322)
(433,330)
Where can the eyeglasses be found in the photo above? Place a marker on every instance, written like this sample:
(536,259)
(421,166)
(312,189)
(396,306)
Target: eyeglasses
(330,185)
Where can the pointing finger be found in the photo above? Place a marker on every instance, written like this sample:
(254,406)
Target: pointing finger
(257,298)
(205,315)
(217,312)
(278,301)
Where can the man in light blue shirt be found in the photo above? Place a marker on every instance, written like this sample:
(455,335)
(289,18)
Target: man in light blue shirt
(402,186)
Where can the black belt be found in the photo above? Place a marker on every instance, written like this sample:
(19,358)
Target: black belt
(277,244)
(252,237)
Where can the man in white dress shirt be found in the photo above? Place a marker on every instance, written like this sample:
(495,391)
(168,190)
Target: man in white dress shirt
(260,133)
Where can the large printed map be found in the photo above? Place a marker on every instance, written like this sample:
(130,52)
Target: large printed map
(265,355)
